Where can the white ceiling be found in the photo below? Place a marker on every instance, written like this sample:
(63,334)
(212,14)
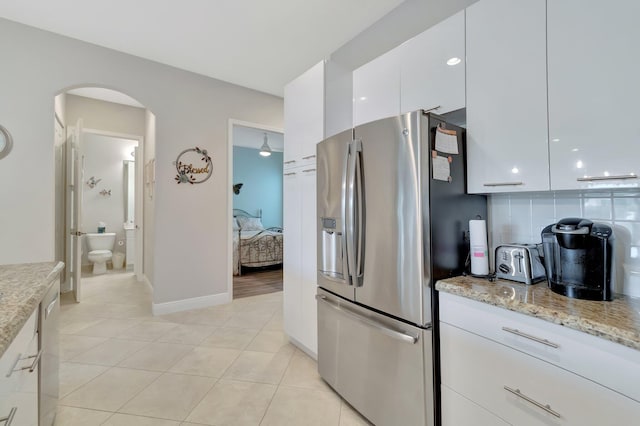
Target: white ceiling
(258,44)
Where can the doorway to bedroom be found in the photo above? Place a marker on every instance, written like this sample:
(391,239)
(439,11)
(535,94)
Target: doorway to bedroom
(257,234)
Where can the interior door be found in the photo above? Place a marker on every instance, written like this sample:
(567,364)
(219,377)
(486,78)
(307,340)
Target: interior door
(76,216)
(333,270)
(138,213)
(392,256)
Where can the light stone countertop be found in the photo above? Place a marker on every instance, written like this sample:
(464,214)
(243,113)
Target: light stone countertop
(22,287)
(617,320)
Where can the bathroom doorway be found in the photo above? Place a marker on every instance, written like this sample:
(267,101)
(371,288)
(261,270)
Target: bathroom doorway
(99,187)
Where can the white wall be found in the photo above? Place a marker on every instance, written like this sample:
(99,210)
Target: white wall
(60,106)
(60,178)
(149,206)
(102,115)
(190,247)
(103,159)
(520,218)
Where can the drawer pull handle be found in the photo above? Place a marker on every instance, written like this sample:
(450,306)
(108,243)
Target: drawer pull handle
(309,157)
(34,364)
(545,407)
(503,184)
(290,174)
(9,419)
(530,337)
(31,368)
(435,108)
(308,170)
(398,335)
(591,178)
(290,162)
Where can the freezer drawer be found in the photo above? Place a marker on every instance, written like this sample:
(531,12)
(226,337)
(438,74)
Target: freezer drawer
(381,366)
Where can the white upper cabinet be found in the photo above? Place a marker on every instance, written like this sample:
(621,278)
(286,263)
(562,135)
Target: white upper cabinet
(432,68)
(594,90)
(304,116)
(338,98)
(506,96)
(376,89)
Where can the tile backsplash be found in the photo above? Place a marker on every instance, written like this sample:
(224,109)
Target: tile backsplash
(520,218)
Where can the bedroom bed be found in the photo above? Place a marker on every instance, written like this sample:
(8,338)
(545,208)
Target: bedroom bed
(253,245)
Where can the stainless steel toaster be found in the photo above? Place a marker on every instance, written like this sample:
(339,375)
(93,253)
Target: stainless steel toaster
(519,262)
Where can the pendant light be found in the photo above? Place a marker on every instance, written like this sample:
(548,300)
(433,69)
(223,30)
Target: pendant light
(265,149)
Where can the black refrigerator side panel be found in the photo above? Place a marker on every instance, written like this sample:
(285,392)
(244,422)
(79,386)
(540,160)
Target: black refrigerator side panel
(450,207)
(449,210)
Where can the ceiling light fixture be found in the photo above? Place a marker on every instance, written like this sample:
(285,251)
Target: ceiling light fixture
(453,61)
(265,149)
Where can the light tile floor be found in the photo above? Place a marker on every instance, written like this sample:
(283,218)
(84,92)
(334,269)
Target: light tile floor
(225,365)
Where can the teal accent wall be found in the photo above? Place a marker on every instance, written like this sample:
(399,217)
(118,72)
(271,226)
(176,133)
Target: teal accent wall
(262,184)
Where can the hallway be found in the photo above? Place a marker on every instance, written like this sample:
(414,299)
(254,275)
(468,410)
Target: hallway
(225,365)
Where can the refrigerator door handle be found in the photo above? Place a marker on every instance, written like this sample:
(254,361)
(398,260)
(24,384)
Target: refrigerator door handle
(349,213)
(359,205)
(398,335)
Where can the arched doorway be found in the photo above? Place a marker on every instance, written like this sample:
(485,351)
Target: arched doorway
(100,141)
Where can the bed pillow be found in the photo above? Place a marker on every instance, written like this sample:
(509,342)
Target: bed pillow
(250,223)
(235,225)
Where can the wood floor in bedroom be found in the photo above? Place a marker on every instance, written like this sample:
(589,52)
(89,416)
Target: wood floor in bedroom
(256,281)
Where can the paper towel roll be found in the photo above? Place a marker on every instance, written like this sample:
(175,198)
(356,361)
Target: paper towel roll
(479,249)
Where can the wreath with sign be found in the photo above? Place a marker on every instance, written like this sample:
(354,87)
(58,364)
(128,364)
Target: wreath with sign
(187,171)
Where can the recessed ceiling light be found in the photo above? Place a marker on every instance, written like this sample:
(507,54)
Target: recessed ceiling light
(363,98)
(514,170)
(579,164)
(453,61)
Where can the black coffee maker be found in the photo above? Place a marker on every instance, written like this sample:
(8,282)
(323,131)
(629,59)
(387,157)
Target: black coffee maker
(578,257)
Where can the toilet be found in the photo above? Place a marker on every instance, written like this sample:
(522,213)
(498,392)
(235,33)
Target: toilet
(100,250)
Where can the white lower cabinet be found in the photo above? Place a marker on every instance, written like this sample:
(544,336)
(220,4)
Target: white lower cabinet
(459,411)
(309,315)
(299,217)
(18,381)
(485,373)
(292,268)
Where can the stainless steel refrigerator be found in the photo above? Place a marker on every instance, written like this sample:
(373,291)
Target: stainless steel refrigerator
(387,230)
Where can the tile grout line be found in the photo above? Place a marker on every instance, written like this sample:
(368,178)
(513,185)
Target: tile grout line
(201,399)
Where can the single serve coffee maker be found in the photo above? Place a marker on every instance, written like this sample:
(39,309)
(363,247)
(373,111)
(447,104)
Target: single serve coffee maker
(578,258)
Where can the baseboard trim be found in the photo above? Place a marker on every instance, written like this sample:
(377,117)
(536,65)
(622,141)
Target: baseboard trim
(193,303)
(302,347)
(146,281)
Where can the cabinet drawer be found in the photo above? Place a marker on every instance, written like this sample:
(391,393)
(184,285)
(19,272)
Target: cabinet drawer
(609,364)
(21,344)
(19,391)
(460,411)
(524,390)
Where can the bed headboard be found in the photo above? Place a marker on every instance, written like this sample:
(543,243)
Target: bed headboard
(240,212)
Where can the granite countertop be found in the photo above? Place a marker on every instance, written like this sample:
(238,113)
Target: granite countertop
(22,287)
(617,320)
